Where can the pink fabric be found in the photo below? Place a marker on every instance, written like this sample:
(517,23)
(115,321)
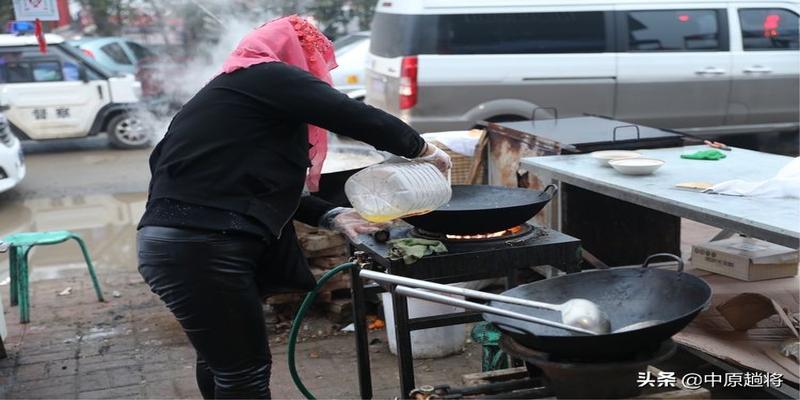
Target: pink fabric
(291,40)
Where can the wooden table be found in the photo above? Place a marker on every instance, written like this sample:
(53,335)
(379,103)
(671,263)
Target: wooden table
(773,220)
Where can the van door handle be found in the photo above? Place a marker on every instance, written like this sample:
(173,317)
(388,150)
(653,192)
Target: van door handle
(100,92)
(758,69)
(711,71)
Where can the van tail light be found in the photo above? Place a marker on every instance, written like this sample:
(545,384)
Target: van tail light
(88,53)
(408,82)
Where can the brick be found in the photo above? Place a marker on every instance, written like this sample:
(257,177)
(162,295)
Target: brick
(96,380)
(187,388)
(65,391)
(125,376)
(126,392)
(45,383)
(32,372)
(24,358)
(161,389)
(321,240)
(106,362)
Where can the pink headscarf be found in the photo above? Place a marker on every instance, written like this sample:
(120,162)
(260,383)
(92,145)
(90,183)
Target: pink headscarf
(294,41)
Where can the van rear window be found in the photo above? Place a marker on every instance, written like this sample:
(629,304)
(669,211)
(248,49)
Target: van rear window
(396,35)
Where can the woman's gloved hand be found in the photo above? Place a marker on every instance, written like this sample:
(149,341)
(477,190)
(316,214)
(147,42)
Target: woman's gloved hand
(436,156)
(347,221)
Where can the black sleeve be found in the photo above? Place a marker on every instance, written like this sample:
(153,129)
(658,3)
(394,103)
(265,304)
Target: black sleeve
(302,96)
(312,209)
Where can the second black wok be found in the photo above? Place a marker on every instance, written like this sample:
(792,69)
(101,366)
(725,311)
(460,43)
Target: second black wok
(627,295)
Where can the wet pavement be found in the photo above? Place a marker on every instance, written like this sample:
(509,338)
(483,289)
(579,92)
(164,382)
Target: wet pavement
(106,222)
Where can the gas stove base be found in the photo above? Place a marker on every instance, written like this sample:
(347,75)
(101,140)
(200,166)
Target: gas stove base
(535,389)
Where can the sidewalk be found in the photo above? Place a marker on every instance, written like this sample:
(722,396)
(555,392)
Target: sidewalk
(131,347)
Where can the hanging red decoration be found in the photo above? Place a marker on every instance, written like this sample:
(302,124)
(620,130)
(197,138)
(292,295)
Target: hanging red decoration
(39,33)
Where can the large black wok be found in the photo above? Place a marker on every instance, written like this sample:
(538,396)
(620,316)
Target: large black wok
(627,295)
(476,209)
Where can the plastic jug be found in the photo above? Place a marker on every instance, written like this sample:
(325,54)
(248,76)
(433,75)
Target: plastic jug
(385,192)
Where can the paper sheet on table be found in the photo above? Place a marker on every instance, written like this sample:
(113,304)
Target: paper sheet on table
(756,348)
(461,142)
(786,184)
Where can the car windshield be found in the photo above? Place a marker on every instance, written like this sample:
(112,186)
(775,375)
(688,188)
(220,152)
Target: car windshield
(89,62)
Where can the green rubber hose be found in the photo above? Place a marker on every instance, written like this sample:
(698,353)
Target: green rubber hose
(298,320)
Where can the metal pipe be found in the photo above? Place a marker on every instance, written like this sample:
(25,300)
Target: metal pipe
(476,294)
(438,298)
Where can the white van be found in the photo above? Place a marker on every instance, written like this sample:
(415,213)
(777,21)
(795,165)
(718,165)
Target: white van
(61,95)
(700,66)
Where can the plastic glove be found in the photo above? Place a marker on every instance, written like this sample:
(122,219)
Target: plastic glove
(352,225)
(437,157)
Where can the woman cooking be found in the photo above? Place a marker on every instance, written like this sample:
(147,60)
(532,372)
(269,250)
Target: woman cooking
(228,178)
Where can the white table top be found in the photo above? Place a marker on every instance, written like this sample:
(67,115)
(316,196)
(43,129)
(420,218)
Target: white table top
(774,220)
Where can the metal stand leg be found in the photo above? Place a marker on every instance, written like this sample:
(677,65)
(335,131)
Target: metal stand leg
(92,274)
(405,361)
(13,275)
(22,284)
(362,341)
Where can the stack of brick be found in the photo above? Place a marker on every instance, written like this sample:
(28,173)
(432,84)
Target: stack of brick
(324,250)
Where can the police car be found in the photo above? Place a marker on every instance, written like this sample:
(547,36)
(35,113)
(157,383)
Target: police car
(61,94)
(12,162)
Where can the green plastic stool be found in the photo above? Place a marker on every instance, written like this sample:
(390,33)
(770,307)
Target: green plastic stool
(20,244)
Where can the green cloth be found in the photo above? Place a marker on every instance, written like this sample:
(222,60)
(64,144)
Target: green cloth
(712,155)
(411,249)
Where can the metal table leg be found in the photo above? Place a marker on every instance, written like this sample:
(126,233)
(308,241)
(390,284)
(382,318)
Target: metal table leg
(405,361)
(362,341)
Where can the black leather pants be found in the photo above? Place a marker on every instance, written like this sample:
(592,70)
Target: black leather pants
(208,282)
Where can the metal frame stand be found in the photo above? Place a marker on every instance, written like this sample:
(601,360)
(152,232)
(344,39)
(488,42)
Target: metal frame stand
(562,253)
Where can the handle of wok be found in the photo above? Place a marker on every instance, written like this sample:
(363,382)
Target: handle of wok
(438,298)
(416,283)
(667,255)
(614,132)
(548,187)
(553,109)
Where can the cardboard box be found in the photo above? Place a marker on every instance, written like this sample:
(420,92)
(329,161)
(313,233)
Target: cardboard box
(746,259)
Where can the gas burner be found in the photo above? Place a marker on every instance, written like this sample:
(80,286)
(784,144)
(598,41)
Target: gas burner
(588,379)
(507,234)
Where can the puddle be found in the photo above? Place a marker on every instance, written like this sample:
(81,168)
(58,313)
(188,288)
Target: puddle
(106,222)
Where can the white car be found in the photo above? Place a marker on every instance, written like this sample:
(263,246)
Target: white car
(62,95)
(351,55)
(699,66)
(12,162)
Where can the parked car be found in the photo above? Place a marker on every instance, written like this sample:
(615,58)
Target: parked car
(705,67)
(116,54)
(61,94)
(12,161)
(351,55)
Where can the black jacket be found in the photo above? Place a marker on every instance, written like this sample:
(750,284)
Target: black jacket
(241,145)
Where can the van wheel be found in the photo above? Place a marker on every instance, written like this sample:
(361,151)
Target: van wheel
(127,131)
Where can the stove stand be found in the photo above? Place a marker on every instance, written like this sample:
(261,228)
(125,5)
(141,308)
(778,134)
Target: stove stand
(465,261)
(579,379)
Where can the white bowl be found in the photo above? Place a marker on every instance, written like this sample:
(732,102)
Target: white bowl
(636,166)
(604,156)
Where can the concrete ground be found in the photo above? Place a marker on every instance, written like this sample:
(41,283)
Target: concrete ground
(132,347)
